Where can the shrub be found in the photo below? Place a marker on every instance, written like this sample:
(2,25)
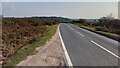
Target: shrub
(98,28)
(101,29)
(18,32)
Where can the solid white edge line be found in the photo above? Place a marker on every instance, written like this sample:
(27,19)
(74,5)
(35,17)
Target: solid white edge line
(64,49)
(106,49)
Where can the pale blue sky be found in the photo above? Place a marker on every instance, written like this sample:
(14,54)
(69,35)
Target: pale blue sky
(60,0)
(65,9)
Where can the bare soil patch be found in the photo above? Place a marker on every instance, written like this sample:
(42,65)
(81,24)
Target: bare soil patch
(51,54)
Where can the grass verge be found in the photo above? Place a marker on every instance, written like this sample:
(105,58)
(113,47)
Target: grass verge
(91,28)
(107,34)
(30,48)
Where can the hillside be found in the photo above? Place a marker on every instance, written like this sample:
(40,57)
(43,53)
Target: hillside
(59,19)
(19,32)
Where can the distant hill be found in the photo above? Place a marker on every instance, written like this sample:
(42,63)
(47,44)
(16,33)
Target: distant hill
(0,16)
(91,20)
(59,19)
(88,20)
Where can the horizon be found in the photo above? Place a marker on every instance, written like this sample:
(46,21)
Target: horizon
(44,16)
(85,10)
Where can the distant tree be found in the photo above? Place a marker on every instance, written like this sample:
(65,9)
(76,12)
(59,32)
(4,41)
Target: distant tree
(110,17)
(82,20)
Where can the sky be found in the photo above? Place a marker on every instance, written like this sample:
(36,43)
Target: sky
(119,10)
(0,7)
(60,0)
(65,9)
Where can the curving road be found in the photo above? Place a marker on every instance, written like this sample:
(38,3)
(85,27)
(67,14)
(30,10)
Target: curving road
(86,48)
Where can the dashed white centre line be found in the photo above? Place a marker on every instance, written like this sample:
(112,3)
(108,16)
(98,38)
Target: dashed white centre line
(80,34)
(68,26)
(76,31)
(106,49)
(72,28)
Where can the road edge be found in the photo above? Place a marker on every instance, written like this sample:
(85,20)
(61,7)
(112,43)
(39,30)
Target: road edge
(67,58)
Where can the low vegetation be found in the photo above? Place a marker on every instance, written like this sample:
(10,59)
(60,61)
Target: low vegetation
(22,35)
(105,25)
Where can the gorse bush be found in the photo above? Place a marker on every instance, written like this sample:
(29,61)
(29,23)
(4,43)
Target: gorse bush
(103,24)
(101,29)
(112,26)
(18,32)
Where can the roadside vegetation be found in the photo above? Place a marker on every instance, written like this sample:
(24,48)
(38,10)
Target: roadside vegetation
(21,36)
(107,26)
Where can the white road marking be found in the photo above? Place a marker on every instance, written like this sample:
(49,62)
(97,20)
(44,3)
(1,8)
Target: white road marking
(76,31)
(107,39)
(106,49)
(67,25)
(80,34)
(72,28)
(68,60)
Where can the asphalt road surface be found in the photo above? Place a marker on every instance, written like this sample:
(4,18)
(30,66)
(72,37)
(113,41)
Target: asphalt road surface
(86,48)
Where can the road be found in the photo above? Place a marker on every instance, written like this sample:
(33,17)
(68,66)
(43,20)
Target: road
(85,48)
